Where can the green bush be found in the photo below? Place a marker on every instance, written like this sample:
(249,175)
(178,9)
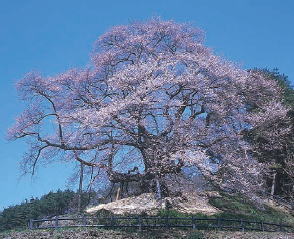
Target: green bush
(51,204)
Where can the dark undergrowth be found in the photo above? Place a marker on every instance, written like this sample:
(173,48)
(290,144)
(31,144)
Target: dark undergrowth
(240,208)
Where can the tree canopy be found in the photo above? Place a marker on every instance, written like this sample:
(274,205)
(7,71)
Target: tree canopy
(153,99)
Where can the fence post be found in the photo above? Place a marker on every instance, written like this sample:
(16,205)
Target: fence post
(193,223)
(242,225)
(281,226)
(112,222)
(31,224)
(56,221)
(218,223)
(262,226)
(140,223)
(84,220)
(166,221)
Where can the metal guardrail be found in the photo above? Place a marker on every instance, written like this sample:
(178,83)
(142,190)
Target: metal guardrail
(142,222)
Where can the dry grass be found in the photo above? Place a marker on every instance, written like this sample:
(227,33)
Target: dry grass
(111,234)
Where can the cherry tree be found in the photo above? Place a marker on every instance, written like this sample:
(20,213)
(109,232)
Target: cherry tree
(153,100)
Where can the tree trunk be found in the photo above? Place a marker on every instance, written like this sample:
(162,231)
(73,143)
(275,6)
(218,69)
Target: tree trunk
(80,188)
(273,185)
(118,193)
(158,189)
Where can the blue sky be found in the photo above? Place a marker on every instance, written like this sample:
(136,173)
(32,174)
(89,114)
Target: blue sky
(52,36)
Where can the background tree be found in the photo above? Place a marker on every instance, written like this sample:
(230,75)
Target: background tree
(49,205)
(277,151)
(154,99)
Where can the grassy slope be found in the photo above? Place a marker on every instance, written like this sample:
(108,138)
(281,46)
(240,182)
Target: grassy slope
(235,207)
